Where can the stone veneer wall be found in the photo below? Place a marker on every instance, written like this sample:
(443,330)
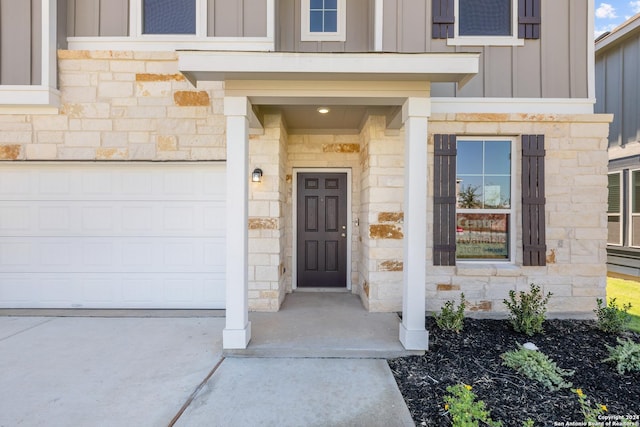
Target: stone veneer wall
(381,216)
(266,217)
(576,204)
(121,106)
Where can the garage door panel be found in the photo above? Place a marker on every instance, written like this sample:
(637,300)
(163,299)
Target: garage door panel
(112,235)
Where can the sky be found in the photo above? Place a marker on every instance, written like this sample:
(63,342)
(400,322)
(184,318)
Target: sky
(611,13)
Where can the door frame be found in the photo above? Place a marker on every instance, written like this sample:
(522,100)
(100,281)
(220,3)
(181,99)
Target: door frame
(294,220)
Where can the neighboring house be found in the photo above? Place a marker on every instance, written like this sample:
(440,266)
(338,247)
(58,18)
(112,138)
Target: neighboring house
(460,153)
(618,93)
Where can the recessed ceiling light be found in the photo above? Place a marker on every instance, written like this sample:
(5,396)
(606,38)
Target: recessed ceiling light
(323,110)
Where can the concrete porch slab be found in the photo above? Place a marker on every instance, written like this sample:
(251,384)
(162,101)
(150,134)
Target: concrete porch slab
(324,324)
(299,392)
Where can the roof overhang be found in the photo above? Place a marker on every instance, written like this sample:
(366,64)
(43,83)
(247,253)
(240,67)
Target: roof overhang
(286,66)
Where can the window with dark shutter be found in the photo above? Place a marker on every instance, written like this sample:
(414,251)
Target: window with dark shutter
(529,19)
(442,19)
(444,199)
(533,201)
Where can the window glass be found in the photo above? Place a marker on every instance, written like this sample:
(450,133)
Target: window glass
(169,16)
(484,18)
(323,16)
(614,193)
(483,186)
(635,192)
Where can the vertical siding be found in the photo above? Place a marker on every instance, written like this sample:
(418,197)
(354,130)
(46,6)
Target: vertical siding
(237,18)
(92,18)
(15,42)
(618,89)
(555,66)
(358,32)
(36,41)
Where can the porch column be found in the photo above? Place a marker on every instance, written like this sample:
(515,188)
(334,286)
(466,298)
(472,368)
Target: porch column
(237,332)
(415,113)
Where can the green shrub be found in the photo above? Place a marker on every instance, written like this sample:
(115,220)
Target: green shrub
(465,411)
(626,356)
(527,311)
(611,318)
(451,319)
(537,366)
(591,413)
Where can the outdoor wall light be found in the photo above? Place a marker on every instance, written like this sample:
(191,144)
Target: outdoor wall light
(323,110)
(256,175)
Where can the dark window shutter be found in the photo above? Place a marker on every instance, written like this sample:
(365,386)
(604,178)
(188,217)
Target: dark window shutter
(533,200)
(444,200)
(529,19)
(442,19)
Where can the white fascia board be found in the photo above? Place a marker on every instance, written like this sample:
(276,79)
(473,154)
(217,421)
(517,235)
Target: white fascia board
(451,67)
(163,43)
(28,98)
(617,35)
(513,105)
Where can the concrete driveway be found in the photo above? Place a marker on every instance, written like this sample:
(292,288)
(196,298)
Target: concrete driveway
(94,371)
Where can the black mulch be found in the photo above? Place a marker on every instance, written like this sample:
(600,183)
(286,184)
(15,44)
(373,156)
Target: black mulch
(473,357)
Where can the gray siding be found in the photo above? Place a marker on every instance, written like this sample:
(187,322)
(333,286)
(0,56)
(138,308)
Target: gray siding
(618,89)
(237,18)
(20,42)
(555,66)
(226,18)
(359,37)
(91,18)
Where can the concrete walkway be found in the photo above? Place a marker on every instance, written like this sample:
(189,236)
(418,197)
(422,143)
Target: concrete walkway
(159,371)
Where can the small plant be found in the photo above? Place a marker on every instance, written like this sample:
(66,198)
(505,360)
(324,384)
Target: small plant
(537,366)
(528,310)
(626,355)
(528,423)
(464,409)
(451,319)
(611,318)
(589,412)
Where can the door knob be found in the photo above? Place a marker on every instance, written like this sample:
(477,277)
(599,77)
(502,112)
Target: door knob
(344,234)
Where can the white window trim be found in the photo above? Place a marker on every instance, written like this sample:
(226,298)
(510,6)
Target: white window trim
(630,208)
(619,214)
(307,36)
(512,40)
(511,211)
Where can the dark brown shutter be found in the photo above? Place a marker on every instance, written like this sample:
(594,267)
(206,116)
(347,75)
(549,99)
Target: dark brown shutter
(529,19)
(444,200)
(533,218)
(442,19)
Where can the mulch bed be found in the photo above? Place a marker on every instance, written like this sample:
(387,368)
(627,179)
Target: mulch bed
(473,357)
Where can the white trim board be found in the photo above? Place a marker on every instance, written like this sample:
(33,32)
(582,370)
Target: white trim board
(513,105)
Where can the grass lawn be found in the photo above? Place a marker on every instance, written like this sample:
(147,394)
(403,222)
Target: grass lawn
(626,291)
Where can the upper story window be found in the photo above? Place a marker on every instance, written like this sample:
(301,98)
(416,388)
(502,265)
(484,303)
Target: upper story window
(486,22)
(169,16)
(323,20)
(485,18)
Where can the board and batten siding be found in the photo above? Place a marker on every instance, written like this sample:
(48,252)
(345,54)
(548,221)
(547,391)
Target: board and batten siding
(20,42)
(225,18)
(359,29)
(553,67)
(618,89)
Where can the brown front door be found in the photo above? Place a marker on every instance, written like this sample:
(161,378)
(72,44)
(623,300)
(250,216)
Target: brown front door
(322,230)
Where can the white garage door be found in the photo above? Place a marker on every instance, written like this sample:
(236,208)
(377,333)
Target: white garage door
(112,235)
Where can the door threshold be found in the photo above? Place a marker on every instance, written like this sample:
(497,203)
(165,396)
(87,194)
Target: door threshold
(319,289)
